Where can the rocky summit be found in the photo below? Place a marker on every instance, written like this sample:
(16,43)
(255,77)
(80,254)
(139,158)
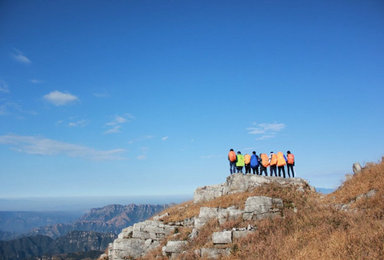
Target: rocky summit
(242,183)
(255,217)
(137,240)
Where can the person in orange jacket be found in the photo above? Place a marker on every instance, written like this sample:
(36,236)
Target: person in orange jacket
(264,164)
(290,163)
(281,162)
(247,162)
(273,164)
(232,158)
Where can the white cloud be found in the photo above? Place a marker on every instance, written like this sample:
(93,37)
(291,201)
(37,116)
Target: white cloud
(43,146)
(11,108)
(116,123)
(211,156)
(141,157)
(113,130)
(265,130)
(139,139)
(165,138)
(263,137)
(4,87)
(101,95)
(20,57)
(118,120)
(36,81)
(58,98)
(78,123)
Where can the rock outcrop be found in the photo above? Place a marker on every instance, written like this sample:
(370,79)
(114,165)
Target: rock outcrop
(137,240)
(241,183)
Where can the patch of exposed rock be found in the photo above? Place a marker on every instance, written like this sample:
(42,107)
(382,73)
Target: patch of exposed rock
(347,206)
(241,183)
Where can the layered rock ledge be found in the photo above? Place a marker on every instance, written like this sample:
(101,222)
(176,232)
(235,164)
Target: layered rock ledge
(241,183)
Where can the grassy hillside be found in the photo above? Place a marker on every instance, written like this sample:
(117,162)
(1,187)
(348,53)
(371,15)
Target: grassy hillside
(346,224)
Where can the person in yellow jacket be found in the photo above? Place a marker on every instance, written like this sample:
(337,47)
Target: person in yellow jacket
(264,163)
(247,162)
(273,164)
(240,162)
(281,162)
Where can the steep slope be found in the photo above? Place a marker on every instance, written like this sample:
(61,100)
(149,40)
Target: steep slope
(270,220)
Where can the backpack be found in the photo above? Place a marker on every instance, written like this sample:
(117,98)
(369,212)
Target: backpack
(247,159)
(232,156)
(264,160)
(254,161)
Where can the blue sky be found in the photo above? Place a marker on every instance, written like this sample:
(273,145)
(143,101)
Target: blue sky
(134,98)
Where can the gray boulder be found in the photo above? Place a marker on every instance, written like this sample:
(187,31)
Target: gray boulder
(259,207)
(174,248)
(137,240)
(224,237)
(214,253)
(356,167)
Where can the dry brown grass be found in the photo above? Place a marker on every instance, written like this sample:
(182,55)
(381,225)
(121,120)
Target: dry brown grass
(317,231)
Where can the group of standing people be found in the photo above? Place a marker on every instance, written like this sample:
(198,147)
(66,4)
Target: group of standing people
(259,164)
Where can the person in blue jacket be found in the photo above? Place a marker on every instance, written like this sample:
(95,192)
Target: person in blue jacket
(255,163)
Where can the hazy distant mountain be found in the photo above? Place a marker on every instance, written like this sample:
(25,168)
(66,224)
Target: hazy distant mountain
(37,246)
(324,190)
(88,235)
(110,218)
(5,235)
(23,221)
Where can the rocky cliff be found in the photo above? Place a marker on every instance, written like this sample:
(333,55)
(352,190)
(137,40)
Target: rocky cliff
(255,217)
(163,231)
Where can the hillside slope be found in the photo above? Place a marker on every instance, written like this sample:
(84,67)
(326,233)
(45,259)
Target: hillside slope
(270,220)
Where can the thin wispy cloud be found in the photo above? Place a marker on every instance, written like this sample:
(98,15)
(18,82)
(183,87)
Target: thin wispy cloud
(113,130)
(47,147)
(73,122)
(141,157)
(116,124)
(265,130)
(36,81)
(78,123)
(140,139)
(20,57)
(58,98)
(211,156)
(143,154)
(164,138)
(4,87)
(101,94)
(12,108)
(117,121)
